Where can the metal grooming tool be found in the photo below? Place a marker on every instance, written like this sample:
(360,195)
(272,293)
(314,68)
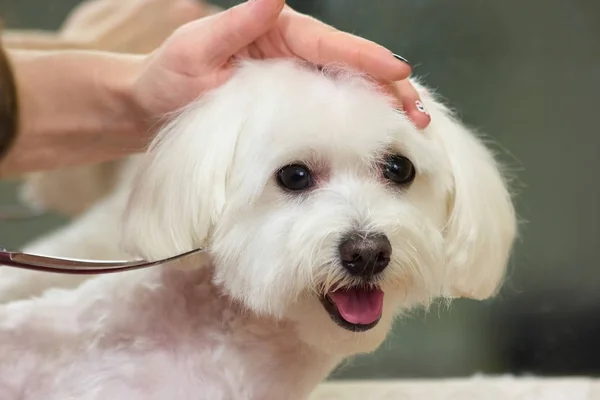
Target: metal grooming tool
(76,266)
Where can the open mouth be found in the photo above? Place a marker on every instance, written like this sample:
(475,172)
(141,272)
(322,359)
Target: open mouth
(356,309)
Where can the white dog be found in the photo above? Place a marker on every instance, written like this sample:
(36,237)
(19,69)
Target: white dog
(324,213)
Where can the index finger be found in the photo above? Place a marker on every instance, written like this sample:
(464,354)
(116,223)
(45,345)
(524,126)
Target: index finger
(321,44)
(407,99)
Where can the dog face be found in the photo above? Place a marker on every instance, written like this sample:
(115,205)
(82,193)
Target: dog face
(322,205)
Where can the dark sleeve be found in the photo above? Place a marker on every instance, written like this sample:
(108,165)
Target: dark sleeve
(8,104)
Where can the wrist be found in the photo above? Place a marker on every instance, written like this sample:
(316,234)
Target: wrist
(76,107)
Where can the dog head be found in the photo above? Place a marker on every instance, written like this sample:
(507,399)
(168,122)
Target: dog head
(321,204)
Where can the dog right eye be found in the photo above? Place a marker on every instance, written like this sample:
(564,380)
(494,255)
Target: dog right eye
(294,177)
(399,170)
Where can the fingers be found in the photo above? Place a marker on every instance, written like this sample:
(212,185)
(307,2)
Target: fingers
(321,44)
(410,102)
(237,27)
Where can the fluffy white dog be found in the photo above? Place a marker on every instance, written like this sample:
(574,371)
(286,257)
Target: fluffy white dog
(324,213)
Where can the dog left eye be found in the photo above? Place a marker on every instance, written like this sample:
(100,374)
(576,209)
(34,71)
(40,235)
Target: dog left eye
(398,169)
(294,177)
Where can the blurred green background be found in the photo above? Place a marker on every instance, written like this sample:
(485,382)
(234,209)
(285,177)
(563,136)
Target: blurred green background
(527,74)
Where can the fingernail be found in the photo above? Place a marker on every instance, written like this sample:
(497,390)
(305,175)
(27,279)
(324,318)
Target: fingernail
(421,107)
(397,57)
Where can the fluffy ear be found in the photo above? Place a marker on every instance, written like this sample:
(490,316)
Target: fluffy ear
(482,225)
(180,187)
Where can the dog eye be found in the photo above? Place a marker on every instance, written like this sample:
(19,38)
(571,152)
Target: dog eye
(398,169)
(294,177)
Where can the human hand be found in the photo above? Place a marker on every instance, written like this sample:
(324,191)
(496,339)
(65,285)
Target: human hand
(132,26)
(197,57)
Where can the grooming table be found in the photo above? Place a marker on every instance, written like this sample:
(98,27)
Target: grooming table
(475,388)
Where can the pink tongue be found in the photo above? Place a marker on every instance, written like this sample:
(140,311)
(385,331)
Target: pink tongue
(358,306)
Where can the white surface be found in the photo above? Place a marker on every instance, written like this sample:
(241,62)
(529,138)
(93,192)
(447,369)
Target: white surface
(480,388)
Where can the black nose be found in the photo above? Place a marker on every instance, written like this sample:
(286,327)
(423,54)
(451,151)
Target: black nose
(365,255)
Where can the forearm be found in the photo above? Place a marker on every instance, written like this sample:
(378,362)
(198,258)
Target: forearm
(74,109)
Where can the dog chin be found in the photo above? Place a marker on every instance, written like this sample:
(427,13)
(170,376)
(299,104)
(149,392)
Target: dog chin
(355,320)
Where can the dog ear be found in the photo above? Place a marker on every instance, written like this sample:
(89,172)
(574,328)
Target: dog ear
(180,188)
(481,225)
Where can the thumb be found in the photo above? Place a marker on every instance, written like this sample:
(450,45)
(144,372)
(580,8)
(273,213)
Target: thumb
(237,27)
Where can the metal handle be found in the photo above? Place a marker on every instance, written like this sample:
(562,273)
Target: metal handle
(76,266)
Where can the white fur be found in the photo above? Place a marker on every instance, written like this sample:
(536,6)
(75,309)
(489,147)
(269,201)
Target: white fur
(243,321)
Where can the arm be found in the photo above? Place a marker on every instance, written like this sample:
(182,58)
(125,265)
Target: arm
(81,107)
(74,109)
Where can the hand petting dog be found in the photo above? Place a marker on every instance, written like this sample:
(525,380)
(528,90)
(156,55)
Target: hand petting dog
(197,57)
